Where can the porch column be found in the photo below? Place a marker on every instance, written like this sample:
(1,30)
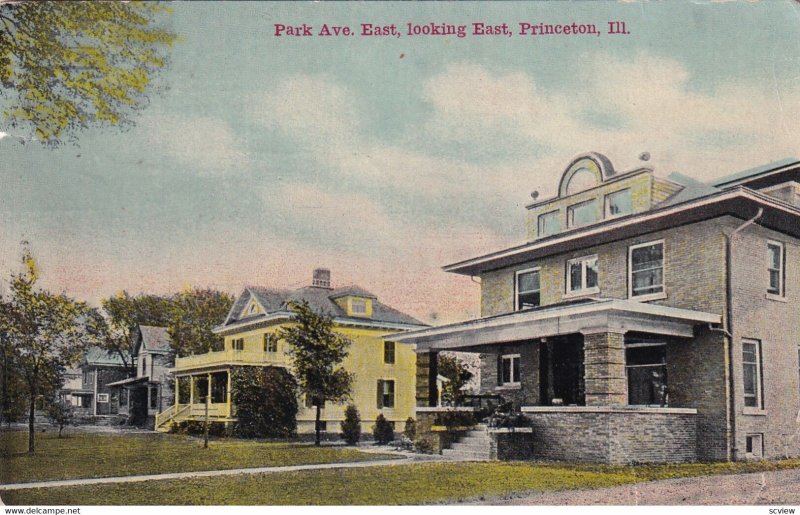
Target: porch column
(427,370)
(228,395)
(191,390)
(604,365)
(208,389)
(177,392)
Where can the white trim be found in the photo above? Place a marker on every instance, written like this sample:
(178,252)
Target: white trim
(544,314)
(255,322)
(516,285)
(516,380)
(780,186)
(654,295)
(568,292)
(539,222)
(741,192)
(606,214)
(571,213)
(759,394)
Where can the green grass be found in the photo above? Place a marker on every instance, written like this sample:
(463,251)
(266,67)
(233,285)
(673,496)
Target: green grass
(398,484)
(81,455)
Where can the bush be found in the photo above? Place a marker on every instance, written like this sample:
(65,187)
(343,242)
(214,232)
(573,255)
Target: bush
(351,425)
(451,419)
(266,402)
(61,414)
(382,430)
(411,429)
(423,446)
(195,428)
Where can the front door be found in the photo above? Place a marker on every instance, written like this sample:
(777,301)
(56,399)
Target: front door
(561,372)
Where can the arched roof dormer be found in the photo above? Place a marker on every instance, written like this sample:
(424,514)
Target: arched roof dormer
(585,172)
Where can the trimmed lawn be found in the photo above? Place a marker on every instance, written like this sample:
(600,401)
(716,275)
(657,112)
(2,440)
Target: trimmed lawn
(84,455)
(399,484)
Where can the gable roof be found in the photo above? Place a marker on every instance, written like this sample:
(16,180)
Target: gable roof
(154,339)
(322,300)
(95,356)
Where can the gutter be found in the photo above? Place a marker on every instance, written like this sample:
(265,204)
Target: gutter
(731,408)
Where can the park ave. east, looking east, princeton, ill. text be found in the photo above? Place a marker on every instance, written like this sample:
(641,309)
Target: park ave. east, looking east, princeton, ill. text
(449,29)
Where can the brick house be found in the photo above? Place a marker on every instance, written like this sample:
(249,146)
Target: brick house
(150,391)
(645,319)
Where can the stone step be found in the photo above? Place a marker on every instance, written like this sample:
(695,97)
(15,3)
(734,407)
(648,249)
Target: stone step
(470,448)
(475,440)
(466,455)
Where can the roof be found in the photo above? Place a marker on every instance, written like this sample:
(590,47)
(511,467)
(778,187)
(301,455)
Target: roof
(154,339)
(692,189)
(754,173)
(321,300)
(95,356)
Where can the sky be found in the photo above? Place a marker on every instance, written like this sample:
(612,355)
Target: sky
(385,158)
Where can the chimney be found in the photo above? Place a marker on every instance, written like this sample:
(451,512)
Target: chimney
(321,278)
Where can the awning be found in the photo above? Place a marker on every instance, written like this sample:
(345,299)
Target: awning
(593,315)
(130,381)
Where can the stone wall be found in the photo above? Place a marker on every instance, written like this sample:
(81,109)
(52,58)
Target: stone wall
(616,436)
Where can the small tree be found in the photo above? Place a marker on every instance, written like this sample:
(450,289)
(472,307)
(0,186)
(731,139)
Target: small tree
(317,353)
(458,374)
(382,430)
(351,425)
(61,414)
(410,429)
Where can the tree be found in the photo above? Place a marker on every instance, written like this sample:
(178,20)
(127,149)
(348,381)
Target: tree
(122,313)
(193,315)
(266,402)
(67,66)
(410,431)
(46,332)
(61,414)
(351,425)
(382,430)
(458,374)
(317,353)
(12,400)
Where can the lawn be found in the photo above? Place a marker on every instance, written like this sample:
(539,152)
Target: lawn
(398,484)
(81,455)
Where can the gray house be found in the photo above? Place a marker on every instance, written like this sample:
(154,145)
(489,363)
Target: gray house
(645,319)
(150,391)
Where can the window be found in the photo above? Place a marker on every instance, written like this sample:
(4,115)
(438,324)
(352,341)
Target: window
(88,378)
(385,393)
(528,289)
(754,445)
(270,343)
(751,363)
(237,344)
(154,397)
(582,275)
(618,203)
(508,373)
(646,269)
(646,370)
(582,214)
(358,306)
(144,365)
(102,397)
(549,223)
(775,262)
(388,353)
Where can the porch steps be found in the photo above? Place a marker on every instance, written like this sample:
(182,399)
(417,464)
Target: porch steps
(475,446)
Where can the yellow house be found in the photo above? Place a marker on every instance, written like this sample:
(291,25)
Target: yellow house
(384,371)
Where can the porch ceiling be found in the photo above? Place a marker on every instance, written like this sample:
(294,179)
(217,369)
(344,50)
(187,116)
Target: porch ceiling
(591,317)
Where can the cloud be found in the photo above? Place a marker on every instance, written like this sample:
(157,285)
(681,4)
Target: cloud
(207,144)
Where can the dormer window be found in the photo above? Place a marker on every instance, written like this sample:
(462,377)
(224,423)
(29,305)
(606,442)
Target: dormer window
(581,214)
(549,223)
(358,307)
(618,203)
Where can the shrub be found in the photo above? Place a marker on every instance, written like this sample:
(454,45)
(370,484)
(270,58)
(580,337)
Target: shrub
(423,446)
(451,419)
(351,425)
(195,428)
(61,414)
(382,430)
(266,402)
(411,429)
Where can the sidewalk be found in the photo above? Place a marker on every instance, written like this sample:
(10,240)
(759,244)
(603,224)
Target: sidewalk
(211,473)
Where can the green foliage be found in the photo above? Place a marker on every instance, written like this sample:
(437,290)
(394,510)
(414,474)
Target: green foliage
(452,419)
(351,425)
(423,446)
(193,313)
(66,66)
(122,313)
(317,352)
(266,402)
(61,414)
(382,431)
(12,385)
(45,333)
(458,374)
(196,428)
(410,430)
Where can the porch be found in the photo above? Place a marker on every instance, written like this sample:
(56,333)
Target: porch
(601,380)
(199,394)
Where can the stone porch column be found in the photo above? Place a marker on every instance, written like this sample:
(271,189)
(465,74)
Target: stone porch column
(427,370)
(604,365)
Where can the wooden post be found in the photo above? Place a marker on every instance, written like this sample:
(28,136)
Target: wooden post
(229,396)
(177,393)
(208,404)
(191,393)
